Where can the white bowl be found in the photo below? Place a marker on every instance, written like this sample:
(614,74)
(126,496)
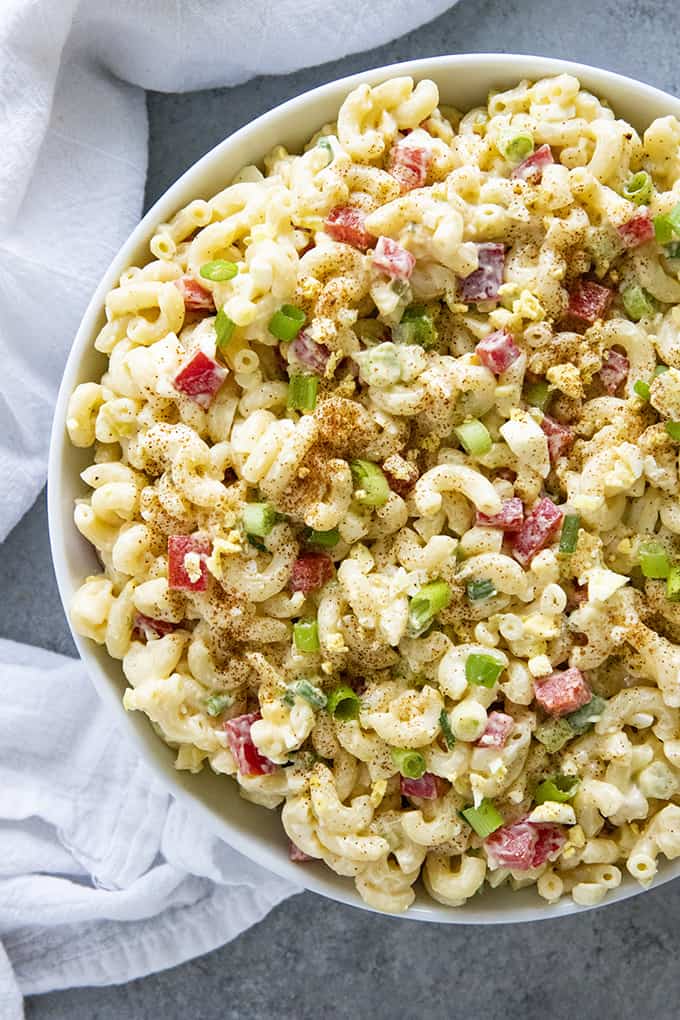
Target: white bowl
(257,833)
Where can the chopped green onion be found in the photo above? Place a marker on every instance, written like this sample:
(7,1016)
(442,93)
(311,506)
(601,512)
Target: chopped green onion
(410,763)
(636,303)
(259,518)
(654,560)
(515,145)
(667,226)
(372,488)
(224,328)
(638,188)
(474,437)
(287,322)
(302,391)
(673,250)
(343,703)
(323,143)
(560,788)
(219,270)
(478,590)
(216,704)
(673,430)
(306,635)
(553,734)
(673,584)
(659,370)
(416,327)
(484,819)
(642,389)
(482,670)
(425,605)
(569,535)
(314,695)
(537,394)
(325,539)
(446,729)
(256,543)
(582,719)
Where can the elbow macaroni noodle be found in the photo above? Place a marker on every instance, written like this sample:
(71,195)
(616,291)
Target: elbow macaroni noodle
(195,420)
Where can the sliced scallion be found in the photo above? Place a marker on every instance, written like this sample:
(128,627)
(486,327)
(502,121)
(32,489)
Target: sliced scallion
(560,789)
(569,535)
(309,692)
(287,322)
(673,584)
(537,394)
(484,819)
(371,486)
(582,719)
(425,605)
(259,519)
(636,302)
(217,703)
(673,430)
(482,670)
(302,390)
(479,590)
(324,539)
(343,703)
(416,327)
(224,328)
(445,726)
(474,437)
(642,389)
(638,188)
(553,734)
(410,763)
(515,145)
(306,635)
(654,561)
(219,270)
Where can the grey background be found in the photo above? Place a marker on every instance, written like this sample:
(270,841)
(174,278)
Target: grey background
(312,958)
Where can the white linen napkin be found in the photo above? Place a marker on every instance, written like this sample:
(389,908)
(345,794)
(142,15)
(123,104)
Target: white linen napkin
(90,841)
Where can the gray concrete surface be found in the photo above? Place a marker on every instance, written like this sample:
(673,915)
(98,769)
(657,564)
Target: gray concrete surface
(312,958)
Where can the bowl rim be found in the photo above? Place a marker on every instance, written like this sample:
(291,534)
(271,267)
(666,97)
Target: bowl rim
(316,878)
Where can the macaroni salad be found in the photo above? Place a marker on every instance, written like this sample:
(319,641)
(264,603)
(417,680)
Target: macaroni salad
(385,491)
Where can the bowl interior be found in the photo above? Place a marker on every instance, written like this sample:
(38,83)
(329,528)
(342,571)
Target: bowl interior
(463,82)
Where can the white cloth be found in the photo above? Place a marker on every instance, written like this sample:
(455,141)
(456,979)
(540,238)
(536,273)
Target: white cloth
(89,840)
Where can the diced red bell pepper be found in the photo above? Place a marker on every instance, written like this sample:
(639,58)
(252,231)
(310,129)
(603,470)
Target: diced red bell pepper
(524,845)
(538,530)
(428,787)
(148,628)
(498,728)
(409,165)
(560,438)
(484,283)
(614,370)
(200,379)
(531,169)
(248,759)
(638,230)
(562,692)
(311,571)
(296,854)
(392,259)
(311,355)
(347,224)
(510,517)
(179,546)
(589,301)
(498,351)
(196,297)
